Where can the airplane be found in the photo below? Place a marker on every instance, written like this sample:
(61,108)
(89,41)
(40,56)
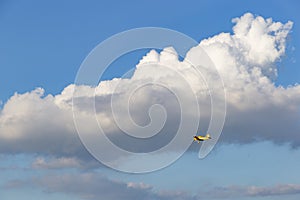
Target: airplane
(202,138)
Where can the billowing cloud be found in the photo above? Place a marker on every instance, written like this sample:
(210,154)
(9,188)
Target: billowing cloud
(246,60)
(31,123)
(257,109)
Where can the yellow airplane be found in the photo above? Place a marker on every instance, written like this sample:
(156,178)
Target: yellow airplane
(201,138)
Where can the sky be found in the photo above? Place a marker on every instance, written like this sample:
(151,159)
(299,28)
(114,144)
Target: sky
(254,47)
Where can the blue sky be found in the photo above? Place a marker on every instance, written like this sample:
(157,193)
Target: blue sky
(43,45)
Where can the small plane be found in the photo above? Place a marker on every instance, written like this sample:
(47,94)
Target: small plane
(202,138)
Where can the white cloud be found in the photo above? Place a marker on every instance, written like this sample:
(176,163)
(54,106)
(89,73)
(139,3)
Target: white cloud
(52,163)
(59,163)
(32,123)
(246,60)
(257,109)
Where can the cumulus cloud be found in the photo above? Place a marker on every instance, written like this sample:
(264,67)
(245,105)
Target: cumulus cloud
(257,109)
(246,60)
(32,123)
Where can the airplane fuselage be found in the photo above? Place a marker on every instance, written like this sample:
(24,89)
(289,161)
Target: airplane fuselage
(198,138)
(201,138)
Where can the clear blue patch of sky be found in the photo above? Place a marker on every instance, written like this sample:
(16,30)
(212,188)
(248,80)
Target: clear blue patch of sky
(34,194)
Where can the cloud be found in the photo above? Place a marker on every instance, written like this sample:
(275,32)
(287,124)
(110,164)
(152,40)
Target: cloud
(52,163)
(252,191)
(257,109)
(32,123)
(95,186)
(59,163)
